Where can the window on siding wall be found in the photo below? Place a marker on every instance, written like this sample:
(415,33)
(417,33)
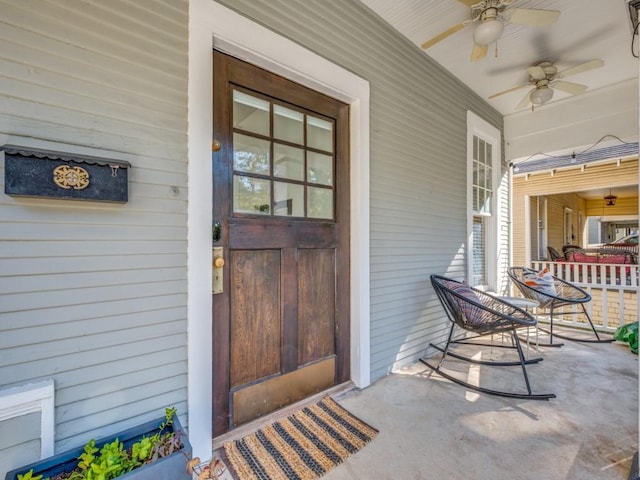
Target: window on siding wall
(483,162)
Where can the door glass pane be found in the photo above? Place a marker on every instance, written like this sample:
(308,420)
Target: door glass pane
(250,113)
(288,125)
(319,203)
(250,154)
(319,168)
(289,199)
(288,162)
(319,134)
(251,195)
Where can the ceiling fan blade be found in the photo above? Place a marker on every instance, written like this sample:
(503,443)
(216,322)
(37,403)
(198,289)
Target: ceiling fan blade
(536,72)
(512,89)
(569,87)
(531,16)
(445,34)
(479,52)
(525,100)
(580,68)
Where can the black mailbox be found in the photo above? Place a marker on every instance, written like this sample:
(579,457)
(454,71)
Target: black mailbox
(30,172)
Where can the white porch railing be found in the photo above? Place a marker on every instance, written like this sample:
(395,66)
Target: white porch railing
(613,288)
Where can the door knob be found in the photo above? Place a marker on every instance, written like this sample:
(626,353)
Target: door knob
(218,262)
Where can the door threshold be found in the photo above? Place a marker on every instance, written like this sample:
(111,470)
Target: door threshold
(247,428)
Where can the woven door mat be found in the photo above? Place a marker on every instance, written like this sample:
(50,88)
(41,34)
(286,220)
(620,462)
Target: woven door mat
(305,445)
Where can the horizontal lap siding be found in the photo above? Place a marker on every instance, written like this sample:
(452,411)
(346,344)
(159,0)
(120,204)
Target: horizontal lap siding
(93,295)
(417,158)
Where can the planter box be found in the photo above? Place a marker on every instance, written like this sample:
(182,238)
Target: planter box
(172,467)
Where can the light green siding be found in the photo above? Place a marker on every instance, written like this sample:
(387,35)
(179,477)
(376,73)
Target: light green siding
(93,295)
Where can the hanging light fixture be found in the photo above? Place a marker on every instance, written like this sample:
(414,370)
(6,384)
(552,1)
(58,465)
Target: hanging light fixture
(489,29)
(542,94)
(610,200)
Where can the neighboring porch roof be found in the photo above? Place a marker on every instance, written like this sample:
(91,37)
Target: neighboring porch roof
(551,162)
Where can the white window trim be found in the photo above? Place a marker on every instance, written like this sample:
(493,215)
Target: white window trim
(481,128)
(211,24)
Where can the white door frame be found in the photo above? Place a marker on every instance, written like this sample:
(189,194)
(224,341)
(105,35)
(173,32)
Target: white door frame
(211,24)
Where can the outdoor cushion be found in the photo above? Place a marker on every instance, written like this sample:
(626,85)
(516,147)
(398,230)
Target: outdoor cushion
(581,257)
(541,281)
(473,315)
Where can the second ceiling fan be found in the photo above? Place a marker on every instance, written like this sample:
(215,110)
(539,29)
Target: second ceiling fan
(545,77)
(491,16)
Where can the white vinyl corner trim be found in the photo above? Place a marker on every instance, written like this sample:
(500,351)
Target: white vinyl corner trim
(32,398)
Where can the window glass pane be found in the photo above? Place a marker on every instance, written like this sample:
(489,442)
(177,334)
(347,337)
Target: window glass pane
(289,199)
(474,195)
(288,125)
(481,151)
(319,168)
(250,113)
(479,276)
(482,200)
(319,134)
(319,203)
(251,195)
(288,162)
(250,154)
(474,166)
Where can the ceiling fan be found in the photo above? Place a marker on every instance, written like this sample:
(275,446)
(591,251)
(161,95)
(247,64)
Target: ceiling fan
(545,77)
(492,15)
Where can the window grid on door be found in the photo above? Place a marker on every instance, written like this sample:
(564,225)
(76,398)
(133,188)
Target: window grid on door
(283,160)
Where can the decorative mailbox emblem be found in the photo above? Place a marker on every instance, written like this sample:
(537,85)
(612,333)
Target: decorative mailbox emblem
(76,178)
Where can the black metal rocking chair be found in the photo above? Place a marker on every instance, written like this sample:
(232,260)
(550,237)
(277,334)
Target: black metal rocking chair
(565,294)
(479,313)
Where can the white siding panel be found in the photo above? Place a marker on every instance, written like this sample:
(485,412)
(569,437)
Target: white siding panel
(93,295)
(418,163)
(19,440)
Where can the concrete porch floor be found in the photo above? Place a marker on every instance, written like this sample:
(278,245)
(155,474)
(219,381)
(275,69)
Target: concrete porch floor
(431,428)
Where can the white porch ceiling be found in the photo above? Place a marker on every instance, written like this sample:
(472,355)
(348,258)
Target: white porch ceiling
(586,30)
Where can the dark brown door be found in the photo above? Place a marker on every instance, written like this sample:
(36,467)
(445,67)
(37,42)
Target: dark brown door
(281,197)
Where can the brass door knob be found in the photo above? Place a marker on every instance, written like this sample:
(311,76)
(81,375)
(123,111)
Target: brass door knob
(218,262)
(215,146)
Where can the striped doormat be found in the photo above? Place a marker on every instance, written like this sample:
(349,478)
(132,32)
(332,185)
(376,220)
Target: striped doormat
(303,446)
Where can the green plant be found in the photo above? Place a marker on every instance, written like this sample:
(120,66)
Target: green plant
(30,476)
(113,460)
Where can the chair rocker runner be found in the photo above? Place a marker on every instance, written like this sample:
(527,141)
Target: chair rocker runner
(477,312)
(557,293)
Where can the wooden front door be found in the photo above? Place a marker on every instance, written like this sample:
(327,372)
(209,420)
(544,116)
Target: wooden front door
(281,216)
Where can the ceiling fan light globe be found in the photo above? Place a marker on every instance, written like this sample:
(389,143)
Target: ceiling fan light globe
(488,32)
(541,95)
